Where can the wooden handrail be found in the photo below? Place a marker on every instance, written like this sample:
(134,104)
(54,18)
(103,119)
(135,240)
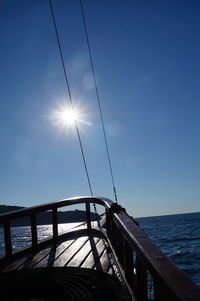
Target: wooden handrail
(58,204)
(169,282)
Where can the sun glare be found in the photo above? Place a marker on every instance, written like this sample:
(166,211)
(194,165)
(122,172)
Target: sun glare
(67,117)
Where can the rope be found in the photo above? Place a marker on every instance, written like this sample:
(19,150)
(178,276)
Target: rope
(70,97)
(99,103)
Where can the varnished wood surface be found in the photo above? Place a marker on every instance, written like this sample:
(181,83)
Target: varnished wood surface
(85,250)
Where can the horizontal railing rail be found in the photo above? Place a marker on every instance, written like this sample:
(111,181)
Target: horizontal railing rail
(58,204)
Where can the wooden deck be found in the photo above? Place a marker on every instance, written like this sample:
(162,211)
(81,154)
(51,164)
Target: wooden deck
(81,248)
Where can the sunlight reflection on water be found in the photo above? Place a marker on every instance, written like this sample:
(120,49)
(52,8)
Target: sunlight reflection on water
(21,236)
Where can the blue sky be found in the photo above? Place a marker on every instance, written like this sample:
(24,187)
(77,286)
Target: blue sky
(146,57)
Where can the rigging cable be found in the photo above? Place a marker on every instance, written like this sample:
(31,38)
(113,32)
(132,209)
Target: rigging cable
(98,100)
(70,98)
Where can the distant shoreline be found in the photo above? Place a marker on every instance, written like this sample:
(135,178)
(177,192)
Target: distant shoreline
(196,212)
(45,218)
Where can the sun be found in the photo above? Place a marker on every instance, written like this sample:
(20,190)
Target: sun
(68,116)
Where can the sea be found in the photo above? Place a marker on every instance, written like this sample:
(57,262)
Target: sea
(178,236)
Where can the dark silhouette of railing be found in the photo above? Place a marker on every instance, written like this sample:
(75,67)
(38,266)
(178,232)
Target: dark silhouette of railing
(148,273)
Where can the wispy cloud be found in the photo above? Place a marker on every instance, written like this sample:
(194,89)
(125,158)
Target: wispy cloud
(22,155)
(115,128)
(80,69)
(78,64)
(132,161)
(144,77)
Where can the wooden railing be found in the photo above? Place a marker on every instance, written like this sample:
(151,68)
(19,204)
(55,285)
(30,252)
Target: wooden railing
(148,273)
(6,219)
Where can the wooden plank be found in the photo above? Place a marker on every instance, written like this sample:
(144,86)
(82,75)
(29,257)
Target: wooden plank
(42,258)
(82,254)
(55,253)
(15,265)
(70,252)
(103,261)
(32,261)
(27,261)
(93,257)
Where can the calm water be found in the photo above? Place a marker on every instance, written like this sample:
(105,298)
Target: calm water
(178,236)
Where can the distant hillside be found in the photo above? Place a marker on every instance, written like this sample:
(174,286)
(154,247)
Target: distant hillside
(45,218)
(6,208)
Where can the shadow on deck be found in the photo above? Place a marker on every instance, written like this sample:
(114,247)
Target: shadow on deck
(81,248)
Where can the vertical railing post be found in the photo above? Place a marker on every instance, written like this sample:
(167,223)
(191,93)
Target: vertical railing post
(109,224)
(88,217)
(7,238)
(34,230)
(120,245)
(117,241)
(128,264)
(141,281)
(161,292)
(55,222)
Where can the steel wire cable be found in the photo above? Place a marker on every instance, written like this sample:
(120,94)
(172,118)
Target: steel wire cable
(70,97)
(99,102)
